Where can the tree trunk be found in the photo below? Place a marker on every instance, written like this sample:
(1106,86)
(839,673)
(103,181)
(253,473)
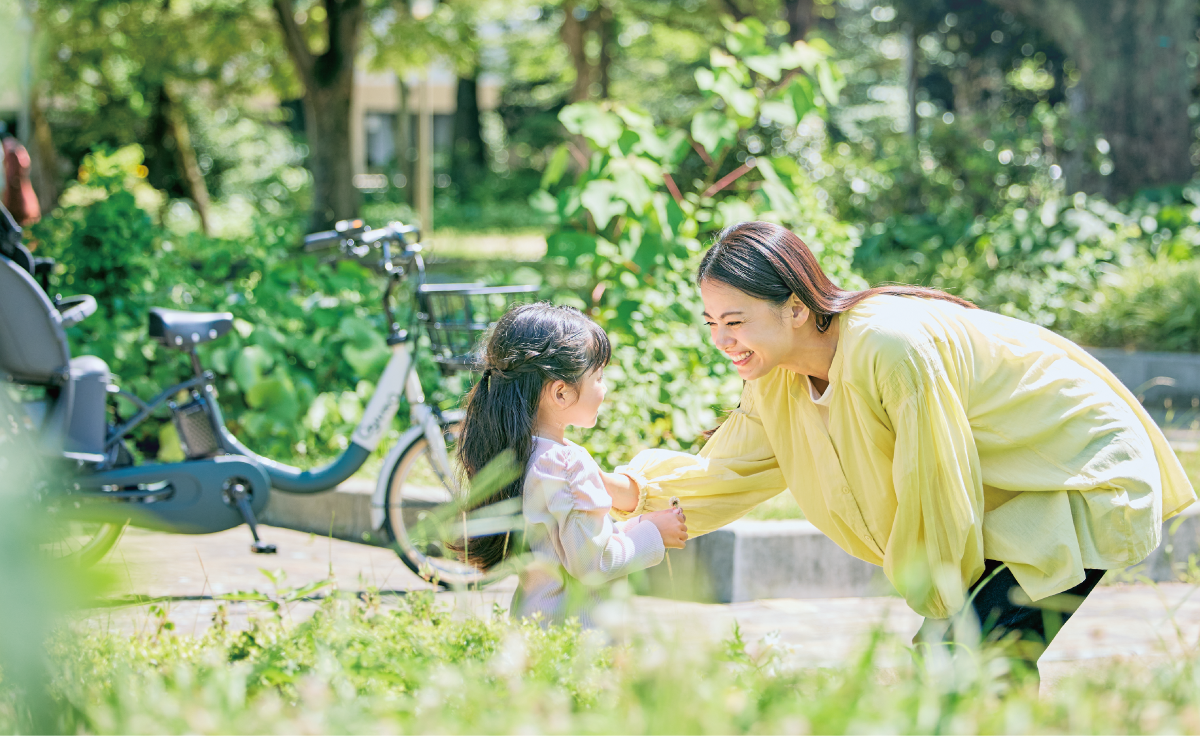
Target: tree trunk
(43,171)
(799,15)
(1134,87)
(328,87)
(185,158)
(911,78)
(468,160)
(404,139)
(572,35)
(606,26)
(327,125)
(158,156)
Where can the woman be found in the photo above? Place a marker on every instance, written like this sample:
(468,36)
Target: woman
(18,197)
(963,451)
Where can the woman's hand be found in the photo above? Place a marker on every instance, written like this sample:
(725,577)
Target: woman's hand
(623,491)
(671,526)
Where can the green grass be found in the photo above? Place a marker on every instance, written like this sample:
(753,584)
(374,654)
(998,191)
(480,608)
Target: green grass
(524,245)
(408,664)
(360,665)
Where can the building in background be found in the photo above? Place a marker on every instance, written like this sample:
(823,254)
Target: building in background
(384,139)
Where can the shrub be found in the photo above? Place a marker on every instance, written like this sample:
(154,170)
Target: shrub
(1042,264)
(634,218)
(294,375)
(1153,307)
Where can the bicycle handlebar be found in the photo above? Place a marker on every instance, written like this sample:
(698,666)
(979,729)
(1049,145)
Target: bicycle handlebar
(321,240)
(349,234)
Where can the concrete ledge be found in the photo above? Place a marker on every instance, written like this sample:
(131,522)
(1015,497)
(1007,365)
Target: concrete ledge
(1139,371)
(747,560)
(750,560)
(344,512)
(1178,557)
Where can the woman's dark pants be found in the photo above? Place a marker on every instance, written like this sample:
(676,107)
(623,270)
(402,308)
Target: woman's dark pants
(998,604)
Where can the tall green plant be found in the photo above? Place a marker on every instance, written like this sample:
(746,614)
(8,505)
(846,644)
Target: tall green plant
(643,200)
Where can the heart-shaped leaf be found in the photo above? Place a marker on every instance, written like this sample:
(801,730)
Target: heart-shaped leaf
(713,130)
(588,119)
(601,199)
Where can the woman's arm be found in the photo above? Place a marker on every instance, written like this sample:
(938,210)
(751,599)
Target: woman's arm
(735,472)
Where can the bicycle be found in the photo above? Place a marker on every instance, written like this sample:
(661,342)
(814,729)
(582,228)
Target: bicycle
(222,483)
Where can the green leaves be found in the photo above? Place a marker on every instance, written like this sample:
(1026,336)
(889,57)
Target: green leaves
(800,95)
(252,363)
(569,245)
(601,199)
(831,81)
(600,127)
(635,217)
(631,185)
(556,166)
(714,131)
(364,349)
(276,396)
(742,101)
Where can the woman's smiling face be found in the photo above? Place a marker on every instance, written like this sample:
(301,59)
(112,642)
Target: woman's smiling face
(754,333)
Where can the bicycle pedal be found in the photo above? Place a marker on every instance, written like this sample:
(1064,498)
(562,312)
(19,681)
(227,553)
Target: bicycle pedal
(263,548)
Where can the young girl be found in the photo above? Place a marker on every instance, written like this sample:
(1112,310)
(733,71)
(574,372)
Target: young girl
(543,372)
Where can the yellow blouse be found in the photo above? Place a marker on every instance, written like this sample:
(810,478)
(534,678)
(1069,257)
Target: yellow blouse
(955,435)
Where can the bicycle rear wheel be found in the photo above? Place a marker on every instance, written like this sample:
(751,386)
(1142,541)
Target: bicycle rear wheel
(74,540)
(62,537)
(422,515)
(79,543)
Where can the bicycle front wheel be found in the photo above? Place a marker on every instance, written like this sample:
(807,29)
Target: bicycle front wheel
(423,511)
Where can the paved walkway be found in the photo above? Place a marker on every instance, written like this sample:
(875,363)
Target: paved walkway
(1116,621)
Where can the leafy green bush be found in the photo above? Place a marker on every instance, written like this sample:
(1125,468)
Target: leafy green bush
(294,375)
(632,222)
(1043,264)
(359,666)
(1153,307)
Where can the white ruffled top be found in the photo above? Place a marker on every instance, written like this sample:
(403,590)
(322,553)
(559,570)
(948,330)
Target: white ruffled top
(575,545)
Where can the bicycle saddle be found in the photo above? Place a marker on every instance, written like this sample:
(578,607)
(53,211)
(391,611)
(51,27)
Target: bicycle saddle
(185,330)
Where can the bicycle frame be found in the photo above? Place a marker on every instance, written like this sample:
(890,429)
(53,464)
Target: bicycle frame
(398,378)
(194,496)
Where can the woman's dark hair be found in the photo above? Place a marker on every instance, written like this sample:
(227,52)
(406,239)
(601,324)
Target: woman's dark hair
(530,346)
(770,262)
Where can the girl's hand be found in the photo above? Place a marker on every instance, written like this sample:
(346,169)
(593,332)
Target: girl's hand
(670,523)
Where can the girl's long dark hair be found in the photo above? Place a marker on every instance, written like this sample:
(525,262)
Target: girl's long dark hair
(770,262)
(531,346)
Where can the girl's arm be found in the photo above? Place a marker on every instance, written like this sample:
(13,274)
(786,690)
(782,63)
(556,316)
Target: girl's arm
(735,472)
(594,548)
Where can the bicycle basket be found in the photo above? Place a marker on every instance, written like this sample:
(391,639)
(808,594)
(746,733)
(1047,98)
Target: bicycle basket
(456,316)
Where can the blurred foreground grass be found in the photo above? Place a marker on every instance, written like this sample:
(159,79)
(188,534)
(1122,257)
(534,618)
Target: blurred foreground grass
(360,666)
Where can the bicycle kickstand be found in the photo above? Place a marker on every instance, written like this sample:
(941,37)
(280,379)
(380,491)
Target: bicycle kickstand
(241,501)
